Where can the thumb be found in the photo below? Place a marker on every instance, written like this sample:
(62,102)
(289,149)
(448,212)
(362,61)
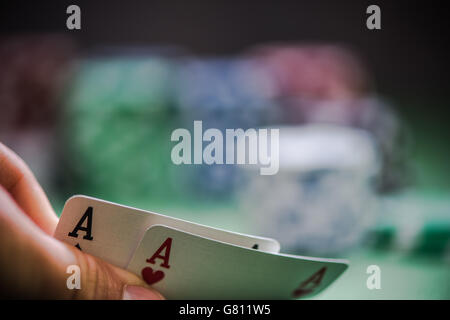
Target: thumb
(36,265)
(101,280)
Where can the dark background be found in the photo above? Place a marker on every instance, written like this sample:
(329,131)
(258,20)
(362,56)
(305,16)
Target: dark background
(408,57)
(408,54)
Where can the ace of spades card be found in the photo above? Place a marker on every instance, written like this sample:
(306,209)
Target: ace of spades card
(112,232)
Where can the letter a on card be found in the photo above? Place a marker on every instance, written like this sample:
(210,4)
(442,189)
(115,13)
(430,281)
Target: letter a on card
(79,227)
(157,255)
(309,285)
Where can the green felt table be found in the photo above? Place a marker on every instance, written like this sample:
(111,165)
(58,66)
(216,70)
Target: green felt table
(404,274)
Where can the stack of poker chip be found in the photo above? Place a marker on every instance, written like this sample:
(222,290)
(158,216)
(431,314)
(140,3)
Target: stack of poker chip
(33,71)
(117,127)
(321,201)
(223,94)
(329,84)
(415,223)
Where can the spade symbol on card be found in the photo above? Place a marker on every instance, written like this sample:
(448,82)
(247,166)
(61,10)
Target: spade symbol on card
(78,247)
(255,246)
(148,274)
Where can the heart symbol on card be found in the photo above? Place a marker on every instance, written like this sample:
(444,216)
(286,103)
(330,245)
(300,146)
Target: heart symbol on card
(151,276)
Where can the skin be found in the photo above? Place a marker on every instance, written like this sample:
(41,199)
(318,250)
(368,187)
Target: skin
(33,264)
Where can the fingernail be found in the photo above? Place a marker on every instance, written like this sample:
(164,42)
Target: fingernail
(140,293)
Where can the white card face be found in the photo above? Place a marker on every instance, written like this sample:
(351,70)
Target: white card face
(185,266)
(112,232)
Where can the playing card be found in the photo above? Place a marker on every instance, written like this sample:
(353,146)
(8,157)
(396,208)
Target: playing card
(186,266)
(112,232)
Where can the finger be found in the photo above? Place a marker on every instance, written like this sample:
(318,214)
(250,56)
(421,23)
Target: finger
(34,265)
(19,181)
(101,280)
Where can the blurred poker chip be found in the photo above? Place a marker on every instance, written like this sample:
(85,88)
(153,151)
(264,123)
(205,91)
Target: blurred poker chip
(119,119)
(224,93)
(413,223)
(34,70)
(329,84)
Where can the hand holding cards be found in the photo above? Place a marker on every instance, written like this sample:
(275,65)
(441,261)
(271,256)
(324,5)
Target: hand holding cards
(184,260)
